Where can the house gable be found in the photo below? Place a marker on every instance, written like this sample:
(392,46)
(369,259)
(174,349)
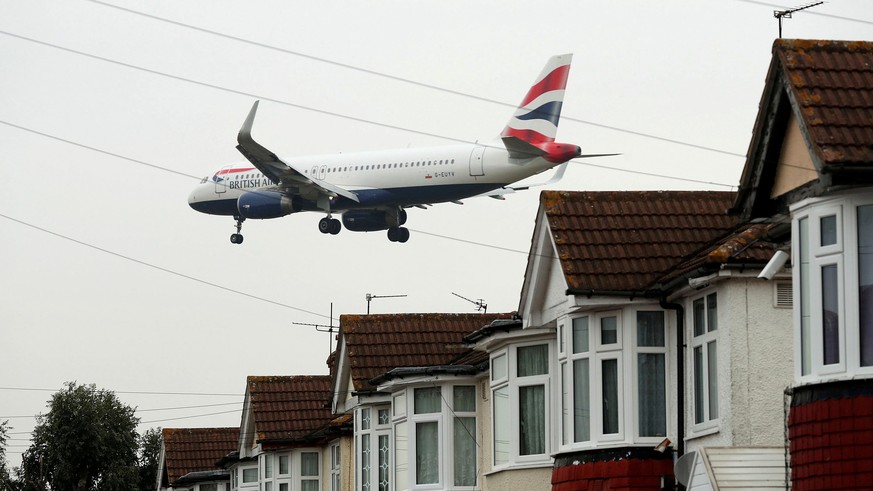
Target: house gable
(818,100)
(544,290)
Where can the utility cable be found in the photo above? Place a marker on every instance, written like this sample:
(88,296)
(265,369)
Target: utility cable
(398,78)
(159,268)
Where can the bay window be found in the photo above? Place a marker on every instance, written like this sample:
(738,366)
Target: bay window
(613,377)
(373,450)
(520,396)
(435,437)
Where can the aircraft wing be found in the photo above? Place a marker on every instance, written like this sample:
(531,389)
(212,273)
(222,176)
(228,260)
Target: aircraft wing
(278,171)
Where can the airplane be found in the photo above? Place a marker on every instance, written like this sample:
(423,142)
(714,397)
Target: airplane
(372,190)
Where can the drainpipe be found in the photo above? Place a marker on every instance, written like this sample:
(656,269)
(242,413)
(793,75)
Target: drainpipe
(680,372)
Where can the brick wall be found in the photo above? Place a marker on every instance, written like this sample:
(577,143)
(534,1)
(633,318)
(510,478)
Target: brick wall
(830,431)
(628,468)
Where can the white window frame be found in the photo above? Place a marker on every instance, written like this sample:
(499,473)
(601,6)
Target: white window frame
(335,466)
(703,341)
(625,351)
(659,350)
(845,256)
(297,476)
(375,430)
(413,420)
(514,383)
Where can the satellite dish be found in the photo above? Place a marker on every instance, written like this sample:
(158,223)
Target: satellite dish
(683,468)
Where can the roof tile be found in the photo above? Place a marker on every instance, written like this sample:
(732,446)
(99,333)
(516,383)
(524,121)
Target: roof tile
(196,449)
(289,407)
(378,343)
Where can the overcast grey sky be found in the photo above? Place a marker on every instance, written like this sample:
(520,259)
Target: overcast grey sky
(108,119)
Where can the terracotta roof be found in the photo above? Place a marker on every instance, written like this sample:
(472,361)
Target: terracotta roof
(287,408)
(832,82)
(188,450)
(376,344)
(628,241)
(827,86)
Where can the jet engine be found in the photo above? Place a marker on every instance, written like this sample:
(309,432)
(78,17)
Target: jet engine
(267,204)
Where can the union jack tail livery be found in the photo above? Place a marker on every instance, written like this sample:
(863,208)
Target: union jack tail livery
(532,128)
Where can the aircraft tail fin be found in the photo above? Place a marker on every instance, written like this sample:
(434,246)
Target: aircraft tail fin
(535,121)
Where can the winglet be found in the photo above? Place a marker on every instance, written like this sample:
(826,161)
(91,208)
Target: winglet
(245,133)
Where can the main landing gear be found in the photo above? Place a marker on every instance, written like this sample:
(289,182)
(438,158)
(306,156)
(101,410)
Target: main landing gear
(398,234)
(328,225)
(237,238)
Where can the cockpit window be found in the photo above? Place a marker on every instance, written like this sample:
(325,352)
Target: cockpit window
(203,181)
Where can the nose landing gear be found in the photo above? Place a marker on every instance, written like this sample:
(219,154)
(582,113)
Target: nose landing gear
(237,238)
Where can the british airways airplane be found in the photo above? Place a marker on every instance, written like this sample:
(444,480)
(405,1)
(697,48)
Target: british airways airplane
(372,189)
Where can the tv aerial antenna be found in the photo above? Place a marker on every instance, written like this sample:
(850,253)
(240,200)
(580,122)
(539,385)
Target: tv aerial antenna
(322,328)
(780,14)
(480,304)
(371,296)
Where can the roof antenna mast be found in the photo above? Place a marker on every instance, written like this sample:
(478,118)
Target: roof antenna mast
(370,296)
(779,14)
(480,304)
(322,328)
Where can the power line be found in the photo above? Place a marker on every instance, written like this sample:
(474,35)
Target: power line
(159,268)
(355,118)
(137,392)
(398,78)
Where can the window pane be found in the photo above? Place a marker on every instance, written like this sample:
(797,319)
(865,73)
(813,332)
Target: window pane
(365,419)
(209,487)
(250,475)
(399,404)
(581,402)
(464,398)
(283,487)
(828,230)
(610,396)
(580,335)
(712,378)
(309,464)
(498,367)
(698,384)
(805,312)
(465,451)
(401,454)
(865,282)
(384,453)
(427,453)
(711,312)
(500,402)
(532,420)
(268,465)
(533,360)
(365,462)
(652,394)
(699,317)
(830,314)
(309,485)
(283,464)
(383,417)
(609,330)
(427,400)
(560,338)
(268,486)
(650,328)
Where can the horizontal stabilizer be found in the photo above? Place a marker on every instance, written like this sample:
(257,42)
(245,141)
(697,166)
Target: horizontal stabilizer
(520,149)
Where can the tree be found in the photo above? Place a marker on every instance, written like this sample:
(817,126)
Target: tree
(149,453)
(5,478)
(86,442)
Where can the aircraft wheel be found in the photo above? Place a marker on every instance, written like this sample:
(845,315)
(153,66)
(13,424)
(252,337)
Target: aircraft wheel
(398,234)
(236,238)
(335,226)
(401,216)
(324,225)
